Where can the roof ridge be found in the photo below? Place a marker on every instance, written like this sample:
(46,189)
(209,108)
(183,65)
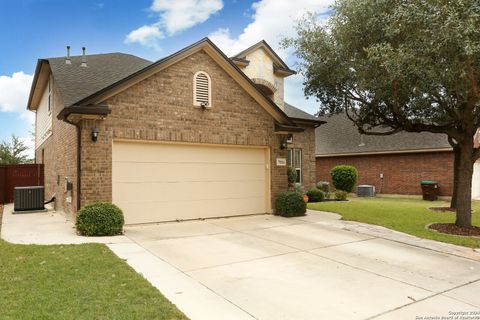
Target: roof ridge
(97,54)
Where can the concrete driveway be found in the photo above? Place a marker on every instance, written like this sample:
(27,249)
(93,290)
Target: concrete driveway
(268,267)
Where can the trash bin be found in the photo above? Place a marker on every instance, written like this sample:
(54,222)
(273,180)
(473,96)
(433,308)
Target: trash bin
(429,190)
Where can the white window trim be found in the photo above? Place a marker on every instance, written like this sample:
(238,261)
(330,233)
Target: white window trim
(292,156)
(195,103)
(299,168)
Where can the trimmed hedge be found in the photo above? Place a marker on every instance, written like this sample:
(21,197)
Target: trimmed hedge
(315,195)
(100,219)
(344,177)
(291,176)
(290,204)
(341,195)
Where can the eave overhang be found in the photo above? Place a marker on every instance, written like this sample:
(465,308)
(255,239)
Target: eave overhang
(286,129)
(240,62)
(301,121)
(77,113)
(283,71)
(40,80)
(385,152)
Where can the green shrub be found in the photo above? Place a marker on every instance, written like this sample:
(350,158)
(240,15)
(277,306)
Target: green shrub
(344,177)
(292,176)
(324,186)
(341,195)
(298,188)
(290,204)
(100,219)
(315,195)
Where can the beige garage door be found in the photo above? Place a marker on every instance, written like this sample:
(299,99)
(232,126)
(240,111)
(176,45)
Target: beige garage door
(164,182)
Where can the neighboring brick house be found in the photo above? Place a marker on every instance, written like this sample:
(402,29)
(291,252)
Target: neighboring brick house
(394,164)
(193,135)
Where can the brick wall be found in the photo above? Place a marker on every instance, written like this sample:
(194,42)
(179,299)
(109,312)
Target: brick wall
(49,166)
(160,108)
(60,159)
(402,172)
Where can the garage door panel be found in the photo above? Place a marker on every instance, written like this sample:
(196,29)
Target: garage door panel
(194,171)
(164,182)
(150,152)
(191,209)
(197,191)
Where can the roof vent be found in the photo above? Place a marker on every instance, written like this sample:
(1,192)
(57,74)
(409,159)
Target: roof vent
(68,60)
(202,94)
(362,143)
(84,58)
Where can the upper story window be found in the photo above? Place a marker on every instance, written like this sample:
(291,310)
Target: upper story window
(202,90)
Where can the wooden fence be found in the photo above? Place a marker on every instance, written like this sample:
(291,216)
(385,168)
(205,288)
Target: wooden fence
(19,175)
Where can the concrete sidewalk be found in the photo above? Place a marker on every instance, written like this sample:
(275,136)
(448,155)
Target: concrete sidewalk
(51,227)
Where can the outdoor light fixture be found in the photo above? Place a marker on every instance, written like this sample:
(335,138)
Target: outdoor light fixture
(289,138)
(285,141)
(95,134)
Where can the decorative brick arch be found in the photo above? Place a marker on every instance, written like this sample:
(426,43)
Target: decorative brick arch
(265,83)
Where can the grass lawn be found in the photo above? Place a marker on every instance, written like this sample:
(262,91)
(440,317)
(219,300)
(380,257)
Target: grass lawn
(75,282)
(402,214)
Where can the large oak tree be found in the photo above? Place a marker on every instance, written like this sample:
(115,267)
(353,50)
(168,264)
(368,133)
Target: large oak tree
(395,65)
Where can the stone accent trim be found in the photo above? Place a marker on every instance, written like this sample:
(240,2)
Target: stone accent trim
(265,83)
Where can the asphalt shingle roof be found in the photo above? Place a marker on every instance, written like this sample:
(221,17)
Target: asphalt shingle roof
(76,82)
(294,112)
(340,136)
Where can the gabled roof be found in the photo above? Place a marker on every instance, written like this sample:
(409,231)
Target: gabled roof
(76,82)
(339,136)
(281,66)
(149,69)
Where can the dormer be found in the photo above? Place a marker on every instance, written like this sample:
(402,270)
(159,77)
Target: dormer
(266,69)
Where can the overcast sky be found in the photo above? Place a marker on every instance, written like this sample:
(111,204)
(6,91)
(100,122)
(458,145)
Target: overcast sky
(152,29)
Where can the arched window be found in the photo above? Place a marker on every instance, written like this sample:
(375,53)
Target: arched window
(202,90)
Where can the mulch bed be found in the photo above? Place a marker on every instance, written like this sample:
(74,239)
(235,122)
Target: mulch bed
(450,228)
(442,209)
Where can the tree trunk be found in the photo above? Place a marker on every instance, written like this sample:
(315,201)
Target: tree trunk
(464,184)
(456,164)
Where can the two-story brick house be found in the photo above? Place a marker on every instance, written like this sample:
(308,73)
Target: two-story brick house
(193,135)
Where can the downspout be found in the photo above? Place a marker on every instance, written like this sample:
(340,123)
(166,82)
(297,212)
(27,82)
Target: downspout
(79,157)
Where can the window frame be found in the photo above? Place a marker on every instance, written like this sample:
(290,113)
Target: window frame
(195,102)
(294,160)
